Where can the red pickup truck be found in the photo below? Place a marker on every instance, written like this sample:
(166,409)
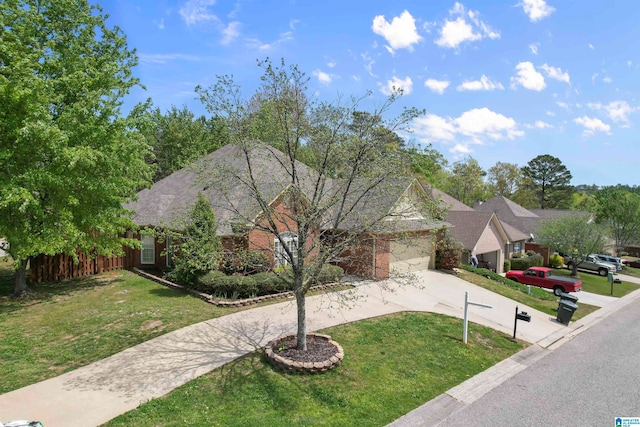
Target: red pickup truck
(542,278)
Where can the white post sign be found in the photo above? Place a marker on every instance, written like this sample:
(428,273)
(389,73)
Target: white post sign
(467,303)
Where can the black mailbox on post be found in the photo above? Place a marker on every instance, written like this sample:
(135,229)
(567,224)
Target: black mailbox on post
(520,316)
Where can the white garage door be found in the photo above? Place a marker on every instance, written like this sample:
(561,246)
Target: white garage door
(408,256)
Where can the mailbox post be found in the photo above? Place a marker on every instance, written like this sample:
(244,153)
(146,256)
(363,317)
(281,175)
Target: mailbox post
(520,316)
(467,303)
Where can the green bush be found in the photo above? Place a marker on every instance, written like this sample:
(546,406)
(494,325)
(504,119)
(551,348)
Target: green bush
(448,252)
(518,255)
(507,265)
(520,263)
(246,262)
(623,253)
(206,282)
(329,274)
(235,287)
(536,260)
(269,283)
(530,252)
(556,261)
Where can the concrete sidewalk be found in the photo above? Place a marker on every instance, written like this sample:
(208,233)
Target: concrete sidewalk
(96,393)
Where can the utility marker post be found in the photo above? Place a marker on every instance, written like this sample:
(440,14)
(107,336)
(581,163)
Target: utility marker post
(467,303)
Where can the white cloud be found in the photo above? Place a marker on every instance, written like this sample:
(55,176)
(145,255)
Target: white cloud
(592,125)
(331,64)
(550,113)
(528,77)
(159,24)
(472,127)
(322,76)
(539,124)
(562,105)
(368,63)
(400,33)
(483,84)
(195,11)
(265,47)
(556,73)
(534,48)
(230,32)
(618,111)
(607,79)
(590,46)
(536,9)
(437,86)
(453,33)
(460,149)
(397,85)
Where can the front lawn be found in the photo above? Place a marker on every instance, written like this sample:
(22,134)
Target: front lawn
(73,323)
(599,285)
(539,299)
(392,365)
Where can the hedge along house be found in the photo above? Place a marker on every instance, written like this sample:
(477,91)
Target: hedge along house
(260,199)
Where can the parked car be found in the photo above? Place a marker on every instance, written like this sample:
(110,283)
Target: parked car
(592,263)
(542,278)
(635,263)
(612,259)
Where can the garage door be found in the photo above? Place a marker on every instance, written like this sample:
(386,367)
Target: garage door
(408,256)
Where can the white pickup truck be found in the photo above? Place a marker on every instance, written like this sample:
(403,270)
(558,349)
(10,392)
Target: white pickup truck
(592,263)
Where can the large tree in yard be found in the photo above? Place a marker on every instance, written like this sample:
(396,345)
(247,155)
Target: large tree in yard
(576,236)
(550,180)
(619,210)
(338,198)
(69,159)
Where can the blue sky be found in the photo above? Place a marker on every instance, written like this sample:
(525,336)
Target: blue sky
(499,80)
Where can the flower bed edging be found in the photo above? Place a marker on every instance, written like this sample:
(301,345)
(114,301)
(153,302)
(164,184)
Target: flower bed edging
(294,367)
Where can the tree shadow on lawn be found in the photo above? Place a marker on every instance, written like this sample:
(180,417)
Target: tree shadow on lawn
(47,291)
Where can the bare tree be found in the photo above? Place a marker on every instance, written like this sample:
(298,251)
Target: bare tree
(349,194)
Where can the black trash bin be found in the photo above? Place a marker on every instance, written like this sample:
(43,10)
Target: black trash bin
(566,309)
(572,298)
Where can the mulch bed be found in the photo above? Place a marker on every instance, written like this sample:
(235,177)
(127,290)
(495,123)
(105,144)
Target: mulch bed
(318,350)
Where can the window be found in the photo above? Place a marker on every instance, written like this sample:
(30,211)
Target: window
(148,252)
(290,240)
(517,247)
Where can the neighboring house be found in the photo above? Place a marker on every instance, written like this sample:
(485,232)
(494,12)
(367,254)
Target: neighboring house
(402,244)
(481,233)
(521,224)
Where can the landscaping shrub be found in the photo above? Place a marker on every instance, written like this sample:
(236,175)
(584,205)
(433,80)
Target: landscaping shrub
(520,263)
(234,287)
(448,253)
(556,261)
(536,260)
(246,262)
(206,282)
(330,274)
(269,283)
(530,252)
(518,255)
(507,265)
(623,253)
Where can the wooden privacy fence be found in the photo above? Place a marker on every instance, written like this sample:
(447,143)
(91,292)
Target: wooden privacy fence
(51,268)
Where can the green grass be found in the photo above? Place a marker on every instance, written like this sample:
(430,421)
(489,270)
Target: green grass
(599,285)
(539,299)
(392,365)
(69,324)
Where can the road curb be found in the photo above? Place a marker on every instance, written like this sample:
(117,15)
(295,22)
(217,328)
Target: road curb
(457,398)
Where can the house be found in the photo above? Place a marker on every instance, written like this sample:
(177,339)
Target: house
(521,224)
(392,231)
(481,233)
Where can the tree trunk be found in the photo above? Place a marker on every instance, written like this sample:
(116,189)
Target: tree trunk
(574,270)
(301,336)
(20,285)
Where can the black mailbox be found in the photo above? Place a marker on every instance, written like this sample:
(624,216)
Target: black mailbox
(523,316)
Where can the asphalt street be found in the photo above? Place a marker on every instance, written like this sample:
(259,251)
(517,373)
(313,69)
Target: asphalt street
(589,381)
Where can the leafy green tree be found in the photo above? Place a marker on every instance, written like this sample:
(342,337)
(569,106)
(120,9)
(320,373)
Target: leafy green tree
(619,210)
(69,159)
(197,247)
(550,180)
(466,182)
(576,236)
(427,164)
(336,146)
(504,179)
(178,138)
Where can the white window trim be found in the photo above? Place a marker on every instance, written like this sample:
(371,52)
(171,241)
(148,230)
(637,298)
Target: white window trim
(280,256)
(148,243)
